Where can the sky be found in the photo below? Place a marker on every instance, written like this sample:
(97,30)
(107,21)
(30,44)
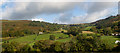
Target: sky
(61,12)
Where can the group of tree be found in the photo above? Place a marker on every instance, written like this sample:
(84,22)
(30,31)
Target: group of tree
(108,25)
(74,31)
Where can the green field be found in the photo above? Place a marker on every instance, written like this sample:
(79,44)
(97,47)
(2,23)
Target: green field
(32,38)
(64,40)
(88,28)
(110,40)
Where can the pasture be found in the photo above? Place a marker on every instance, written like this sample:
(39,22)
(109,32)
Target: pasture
(30,39)
(109,40)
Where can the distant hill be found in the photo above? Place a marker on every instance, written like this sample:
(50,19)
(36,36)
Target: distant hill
(108,22)
(111,23)
(15,27)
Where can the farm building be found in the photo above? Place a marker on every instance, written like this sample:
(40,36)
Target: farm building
(40,32)
(116,34)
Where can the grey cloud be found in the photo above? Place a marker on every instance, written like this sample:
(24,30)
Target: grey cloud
(65,18)
(95,10)
(30,10)
(68,18)
(99,6)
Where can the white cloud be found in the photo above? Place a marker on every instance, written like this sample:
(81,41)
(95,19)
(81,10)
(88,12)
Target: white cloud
(46,1)
(29,10)
(87,18)
(94,12)
(99,6)
(62,0)
(97,15)
(26,10)
(37,19)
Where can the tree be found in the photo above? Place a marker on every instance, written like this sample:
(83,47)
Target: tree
(70,35)
(57,47)
(74,31)
(65,47)
(93,29)
(25,48)
(117,48)
(43,45)
(11,46)
(52,37)
(107,31)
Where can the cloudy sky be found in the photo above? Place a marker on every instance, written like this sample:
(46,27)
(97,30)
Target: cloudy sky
(62,12)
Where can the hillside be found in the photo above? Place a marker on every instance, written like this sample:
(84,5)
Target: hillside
(22,27)
(108,22)
(23,35)
(14,27)
(106,26)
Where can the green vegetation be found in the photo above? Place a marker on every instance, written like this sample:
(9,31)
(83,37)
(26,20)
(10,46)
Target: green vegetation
(88,28)
(64,40)
(110,40)
(52,37)
(32,38)
(84,42)
(24,35)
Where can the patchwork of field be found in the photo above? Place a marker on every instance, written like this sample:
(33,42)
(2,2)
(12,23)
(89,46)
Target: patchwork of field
(30,39)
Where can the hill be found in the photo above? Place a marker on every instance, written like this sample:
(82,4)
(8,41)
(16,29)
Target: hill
(22,27)
(15,28)
(110,21)
(106,26)
(23,35)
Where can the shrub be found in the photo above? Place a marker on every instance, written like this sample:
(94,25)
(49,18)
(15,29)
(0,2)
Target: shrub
(52,37)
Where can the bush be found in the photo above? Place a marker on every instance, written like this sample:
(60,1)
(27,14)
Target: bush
(11,46)
(70,35)
(74,31)
(61,37)
(52,37)
(43,45)
(57,46)
(25,48)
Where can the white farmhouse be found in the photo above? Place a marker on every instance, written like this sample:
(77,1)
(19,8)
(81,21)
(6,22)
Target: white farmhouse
(117,41)
(40,32)
(113,34)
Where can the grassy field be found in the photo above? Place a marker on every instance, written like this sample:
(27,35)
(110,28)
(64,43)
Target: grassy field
(88,28)
(87,32)
(64,40)
(61,30)
(32,38)
(110,40)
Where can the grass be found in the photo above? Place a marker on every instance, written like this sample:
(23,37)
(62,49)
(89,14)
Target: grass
(109,40)
(61,30)
(88,28)
(87,32)
(64,40)
(31,38)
